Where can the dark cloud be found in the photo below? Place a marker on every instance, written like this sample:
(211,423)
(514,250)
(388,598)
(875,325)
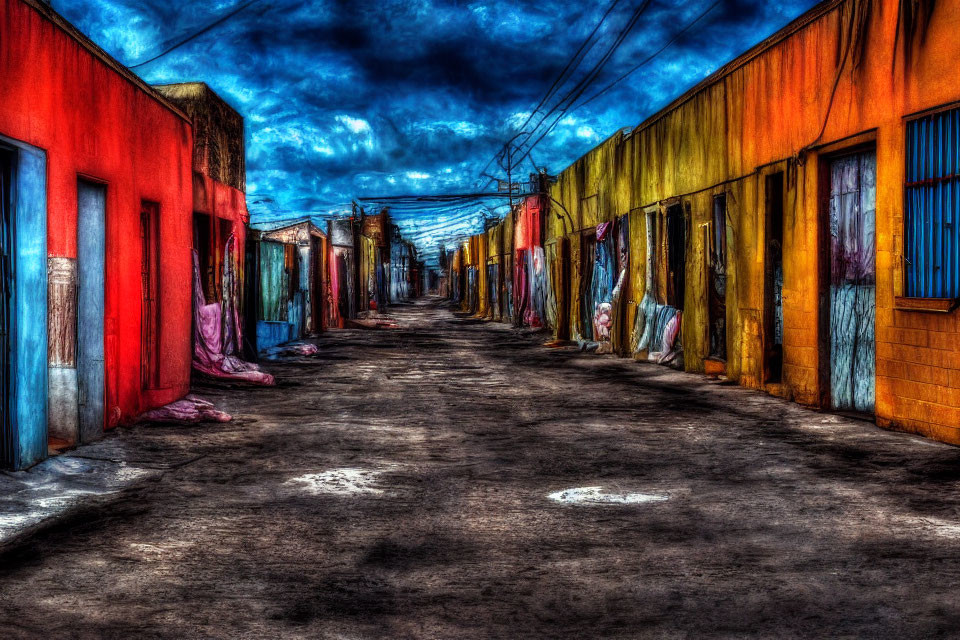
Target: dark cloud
(348,98)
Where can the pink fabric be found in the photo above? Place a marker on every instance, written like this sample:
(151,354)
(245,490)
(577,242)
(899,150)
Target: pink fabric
(232,339)
(208,326)
(670,333)
(189,410)
(299,350)
(602,229)
(208,356)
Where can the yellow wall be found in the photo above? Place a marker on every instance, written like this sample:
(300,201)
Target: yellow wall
(764,113)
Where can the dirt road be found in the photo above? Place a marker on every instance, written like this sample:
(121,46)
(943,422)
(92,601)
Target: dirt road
(451,479)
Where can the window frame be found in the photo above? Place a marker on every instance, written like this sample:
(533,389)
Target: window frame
(903,302)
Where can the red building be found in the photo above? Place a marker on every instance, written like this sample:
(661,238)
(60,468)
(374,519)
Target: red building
(105,162)
(219,178)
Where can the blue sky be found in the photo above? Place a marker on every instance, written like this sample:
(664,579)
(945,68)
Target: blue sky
(354,98)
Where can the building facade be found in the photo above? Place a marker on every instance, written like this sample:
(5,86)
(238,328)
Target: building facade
(788,222)
(96,169)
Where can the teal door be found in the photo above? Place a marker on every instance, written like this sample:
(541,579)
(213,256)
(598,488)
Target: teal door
(91,268)
(23,305)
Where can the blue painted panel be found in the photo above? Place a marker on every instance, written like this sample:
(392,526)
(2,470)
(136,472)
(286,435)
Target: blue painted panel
(270,334)
(932,235)
(295,314)
(91,238)
(29,308)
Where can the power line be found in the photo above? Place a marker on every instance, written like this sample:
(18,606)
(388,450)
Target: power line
(624,76)
(648,58)
(570,66)
(197,34)
(434,198)
(571,97)
(577,90)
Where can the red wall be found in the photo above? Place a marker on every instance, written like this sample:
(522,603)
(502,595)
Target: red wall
(56,95)
(527,234)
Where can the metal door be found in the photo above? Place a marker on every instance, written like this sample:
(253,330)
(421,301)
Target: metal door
(852,281)
(91,238)
(7,256)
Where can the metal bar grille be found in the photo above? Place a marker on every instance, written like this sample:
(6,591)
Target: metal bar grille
(932,236)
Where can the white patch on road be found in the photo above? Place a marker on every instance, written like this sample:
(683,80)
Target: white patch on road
(57,485)
(346,481)
(596,495)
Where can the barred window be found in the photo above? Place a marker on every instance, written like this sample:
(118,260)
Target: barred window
(931,229)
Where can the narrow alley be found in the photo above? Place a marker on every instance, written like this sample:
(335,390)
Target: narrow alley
(456,479)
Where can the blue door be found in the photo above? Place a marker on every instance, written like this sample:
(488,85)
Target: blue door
(7,301)
(853,281)
(23,305)
(91,237)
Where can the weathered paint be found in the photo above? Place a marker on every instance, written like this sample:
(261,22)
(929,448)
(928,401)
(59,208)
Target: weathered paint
(128,137)
(293,282)
(63,402)
(26,442)
(270,334)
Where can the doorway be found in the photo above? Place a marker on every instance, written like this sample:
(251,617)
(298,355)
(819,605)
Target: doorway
(91,264)
(150,301)
(852,282)
(676,256)
(773,281)
(23,304)
(717,281)
(203,242)
(316,286)
(563,313)
(588,257)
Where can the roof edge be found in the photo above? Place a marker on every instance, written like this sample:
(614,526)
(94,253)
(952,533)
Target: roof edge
(47,11)
(797,24)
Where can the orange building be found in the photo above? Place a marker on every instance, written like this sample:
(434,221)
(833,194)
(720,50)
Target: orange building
(794,212)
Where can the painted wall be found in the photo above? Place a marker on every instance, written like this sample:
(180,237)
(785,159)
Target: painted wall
(58,95)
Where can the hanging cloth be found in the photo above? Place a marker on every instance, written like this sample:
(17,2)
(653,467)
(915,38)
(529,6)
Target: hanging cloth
(208,343)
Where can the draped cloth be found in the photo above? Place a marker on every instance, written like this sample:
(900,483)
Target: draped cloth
(216,328)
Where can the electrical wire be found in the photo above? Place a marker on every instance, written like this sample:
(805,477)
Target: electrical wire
(649,58)
(574,93)
(216,23)
(621,78)
(572,64)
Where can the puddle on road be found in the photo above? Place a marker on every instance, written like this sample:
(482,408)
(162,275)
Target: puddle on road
(347,481)
(596,495)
